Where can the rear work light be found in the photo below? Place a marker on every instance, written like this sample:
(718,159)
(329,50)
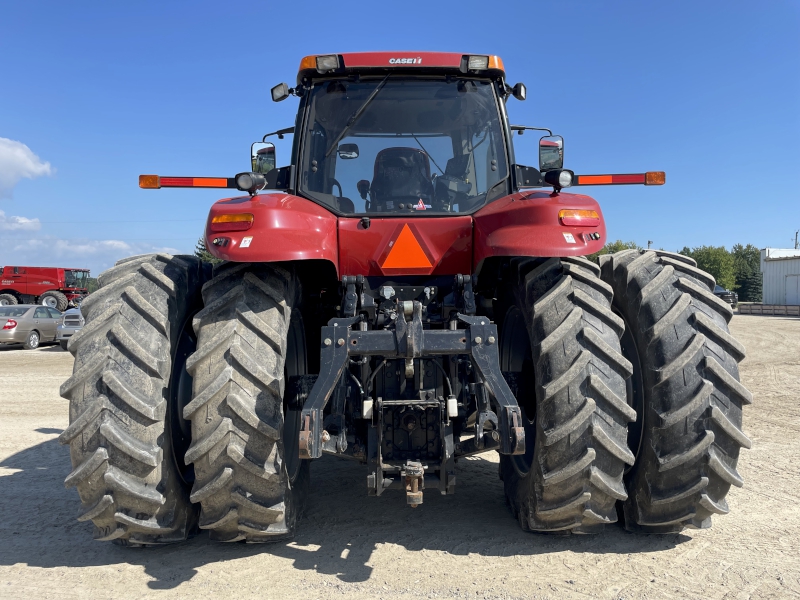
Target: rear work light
(478,63)
(579,218)
(329,62)
(236,222)
(10,324)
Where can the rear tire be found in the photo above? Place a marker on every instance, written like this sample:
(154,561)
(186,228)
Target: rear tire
(250,481)
(689,395)
(32,341)
(63,344)
(570,383)
(55,300)
(122,395)
(8,300)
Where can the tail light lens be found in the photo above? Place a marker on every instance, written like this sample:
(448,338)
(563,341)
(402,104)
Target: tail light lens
(237,222)
(10,324)
(579,218)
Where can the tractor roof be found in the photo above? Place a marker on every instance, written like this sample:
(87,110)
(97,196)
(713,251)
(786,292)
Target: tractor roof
(426,62)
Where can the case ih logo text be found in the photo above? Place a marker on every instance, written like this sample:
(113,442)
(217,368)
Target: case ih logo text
(405,61)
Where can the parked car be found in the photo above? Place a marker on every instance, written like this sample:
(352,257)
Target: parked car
(28,324)
(728,296)
(70,324)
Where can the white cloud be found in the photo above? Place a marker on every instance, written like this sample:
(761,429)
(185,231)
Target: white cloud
(18,223)
(18,161)
(97,255)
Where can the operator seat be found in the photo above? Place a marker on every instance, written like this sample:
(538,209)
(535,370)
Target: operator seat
(402,176)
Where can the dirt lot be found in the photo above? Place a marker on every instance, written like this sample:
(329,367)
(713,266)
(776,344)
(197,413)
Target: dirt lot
(462,546)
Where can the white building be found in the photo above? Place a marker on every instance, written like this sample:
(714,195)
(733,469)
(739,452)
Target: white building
(781,276)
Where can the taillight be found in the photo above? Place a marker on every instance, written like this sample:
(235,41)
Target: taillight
(10,324)
(235,222)
(579,218)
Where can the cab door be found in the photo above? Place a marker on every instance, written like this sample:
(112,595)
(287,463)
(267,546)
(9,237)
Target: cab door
(19,278)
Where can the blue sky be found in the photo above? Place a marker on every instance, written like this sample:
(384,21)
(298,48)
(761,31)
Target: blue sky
(100,92)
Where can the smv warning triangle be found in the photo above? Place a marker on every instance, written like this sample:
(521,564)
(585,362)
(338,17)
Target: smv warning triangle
(406,253)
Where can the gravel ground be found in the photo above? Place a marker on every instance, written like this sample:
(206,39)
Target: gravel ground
(462,546)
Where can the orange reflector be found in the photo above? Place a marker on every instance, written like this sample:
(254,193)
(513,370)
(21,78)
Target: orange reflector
(308,62)
(495,62)
(655,178)
(149,182)
(235,222)
(406,253)
(579,218)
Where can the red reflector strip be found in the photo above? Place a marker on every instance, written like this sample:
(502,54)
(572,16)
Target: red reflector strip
(609,179)
(207,182)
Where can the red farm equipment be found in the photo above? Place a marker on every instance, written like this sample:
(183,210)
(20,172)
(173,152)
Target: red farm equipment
(404,295)
(56,287)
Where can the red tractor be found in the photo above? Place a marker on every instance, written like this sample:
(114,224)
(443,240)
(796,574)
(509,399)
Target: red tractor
(405,295)
(51,286)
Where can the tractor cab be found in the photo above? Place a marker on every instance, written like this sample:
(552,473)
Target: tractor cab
(386,135)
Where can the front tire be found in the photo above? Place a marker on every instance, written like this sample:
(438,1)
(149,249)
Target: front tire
(689,396)
(122,393)
(561,341)
(250,481)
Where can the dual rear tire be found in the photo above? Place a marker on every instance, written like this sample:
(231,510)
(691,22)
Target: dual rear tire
(630,389)
(178,404)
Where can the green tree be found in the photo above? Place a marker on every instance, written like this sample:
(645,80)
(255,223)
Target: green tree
(717,261)
(612,247)
(747,265)
(92,285)
(201,252)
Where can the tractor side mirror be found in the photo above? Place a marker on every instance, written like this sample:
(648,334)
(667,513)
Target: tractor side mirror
(363,188)
(551,153)
(348,151)
(262,157)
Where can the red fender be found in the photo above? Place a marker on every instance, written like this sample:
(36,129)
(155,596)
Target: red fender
(285,227)
(527,224)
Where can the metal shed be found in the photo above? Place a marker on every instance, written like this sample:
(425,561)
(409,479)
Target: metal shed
(781,272)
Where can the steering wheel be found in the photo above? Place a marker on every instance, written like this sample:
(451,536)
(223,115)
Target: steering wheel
(339,185)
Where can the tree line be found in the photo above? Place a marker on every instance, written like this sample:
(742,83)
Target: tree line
(737,269)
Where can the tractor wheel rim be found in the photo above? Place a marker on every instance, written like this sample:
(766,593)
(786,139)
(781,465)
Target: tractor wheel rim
(515,350)
(50,301)
(634,391)
(4,302)
(296,364)
(180,391)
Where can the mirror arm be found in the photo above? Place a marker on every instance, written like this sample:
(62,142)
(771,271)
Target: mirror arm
(521,128)
(280,133)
